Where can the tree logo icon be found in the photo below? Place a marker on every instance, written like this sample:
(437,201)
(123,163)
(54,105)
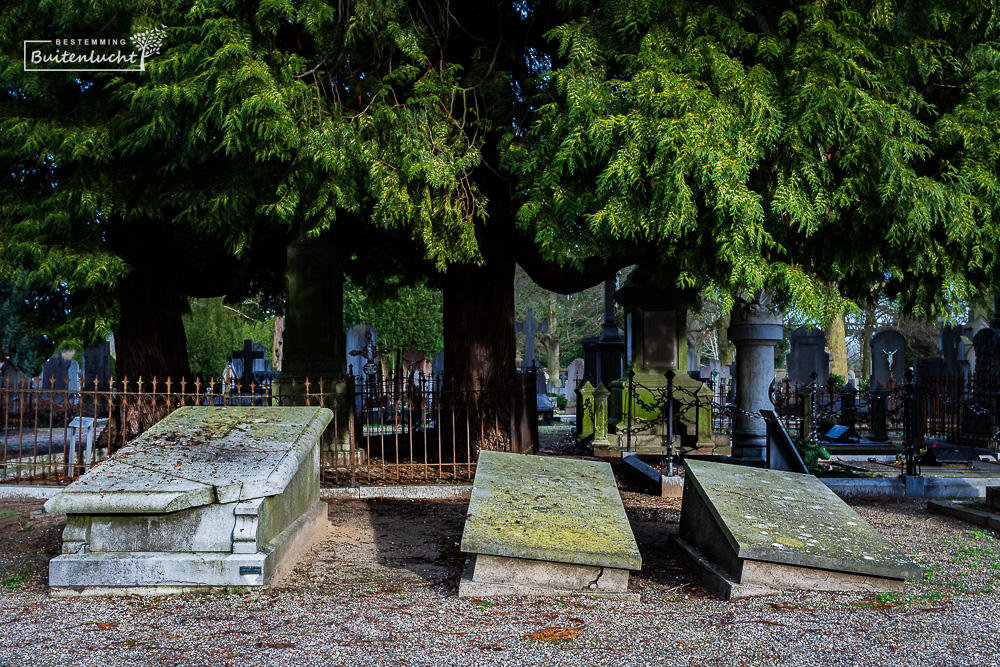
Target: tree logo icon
(148,43)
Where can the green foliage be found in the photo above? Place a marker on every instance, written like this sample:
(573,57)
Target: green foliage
(404,316)
(215,330)
(27,349)
(570,317)
(257,121)
(818,149)
(812,452)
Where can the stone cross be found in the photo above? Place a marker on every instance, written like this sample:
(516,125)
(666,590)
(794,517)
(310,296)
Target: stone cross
(369,353)
(529,328)
(247,354)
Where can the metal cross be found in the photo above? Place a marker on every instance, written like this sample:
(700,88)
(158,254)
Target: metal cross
(530,327)
(369,353)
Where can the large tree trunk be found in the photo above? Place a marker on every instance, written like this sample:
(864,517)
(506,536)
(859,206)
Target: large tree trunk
(151,345)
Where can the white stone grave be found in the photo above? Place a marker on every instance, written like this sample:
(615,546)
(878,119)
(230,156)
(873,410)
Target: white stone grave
(545,526)
(210,498)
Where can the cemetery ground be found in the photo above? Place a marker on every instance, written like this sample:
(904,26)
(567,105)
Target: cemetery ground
(381,589)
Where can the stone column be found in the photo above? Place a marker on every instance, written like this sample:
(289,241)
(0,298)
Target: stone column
(314,339)
(754,330)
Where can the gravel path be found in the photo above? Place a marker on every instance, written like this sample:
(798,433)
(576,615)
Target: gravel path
(380,590)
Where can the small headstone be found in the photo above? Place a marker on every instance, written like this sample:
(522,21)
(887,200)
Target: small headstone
(888,354)
(574,378)
(952,350)
(807,355)
(210,498)
(694,364)
(97,367)
(545,526)
(750,531)
(56,373)
(438,368)
(10,375)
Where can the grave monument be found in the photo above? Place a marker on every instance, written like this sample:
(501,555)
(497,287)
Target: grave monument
(545,526)
(210,498)
(656,342)
(746,531)
(888,354)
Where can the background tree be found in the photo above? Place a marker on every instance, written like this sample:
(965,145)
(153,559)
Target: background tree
(791,146)
(214,330)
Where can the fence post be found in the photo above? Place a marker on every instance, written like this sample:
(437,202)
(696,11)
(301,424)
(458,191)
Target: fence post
(910,424)
(879,415)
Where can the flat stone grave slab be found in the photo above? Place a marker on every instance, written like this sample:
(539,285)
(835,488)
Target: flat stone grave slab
(210,498)
(749,531)
(546,526)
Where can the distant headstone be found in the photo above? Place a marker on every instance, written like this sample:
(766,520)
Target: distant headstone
(438,367)
(97,367)
(357,340)
(952,350)
(574,378)
(10,375)
(693,364)
(210,498)
(748,531)
(888,354)
(808,355)
(56,373)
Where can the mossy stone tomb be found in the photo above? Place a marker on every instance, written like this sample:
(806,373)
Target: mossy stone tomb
(210,498)
(544,526)
(750,531)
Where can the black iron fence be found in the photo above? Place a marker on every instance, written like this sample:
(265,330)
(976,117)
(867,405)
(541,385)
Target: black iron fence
(407,428)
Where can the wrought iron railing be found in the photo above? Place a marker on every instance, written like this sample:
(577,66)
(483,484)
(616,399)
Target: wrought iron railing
(385,430)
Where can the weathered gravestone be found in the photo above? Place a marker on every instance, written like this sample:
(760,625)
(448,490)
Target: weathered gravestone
(57,371)
(807,355)
(888,354)
(530,327)
(97,367)
(544,526)
(748,531)
(210,498)
(574,378)
(10,374)
(952,345)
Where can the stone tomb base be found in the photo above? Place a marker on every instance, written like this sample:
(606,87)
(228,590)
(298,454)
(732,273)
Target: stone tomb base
(209,499)
(544,526)
(749,531)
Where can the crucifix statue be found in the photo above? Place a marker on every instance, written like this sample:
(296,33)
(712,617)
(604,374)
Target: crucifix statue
(888,357)
(247,355)
(529,328)
(369,353)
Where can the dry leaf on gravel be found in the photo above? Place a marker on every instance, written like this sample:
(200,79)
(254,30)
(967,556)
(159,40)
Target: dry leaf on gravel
(556,634)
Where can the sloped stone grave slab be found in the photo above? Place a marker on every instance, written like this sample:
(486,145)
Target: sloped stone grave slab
(545,526)
(210,498)
(749,531)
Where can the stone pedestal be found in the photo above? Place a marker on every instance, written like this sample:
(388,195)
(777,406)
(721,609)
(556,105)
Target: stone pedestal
(210,498)
(754,330)
(314,339)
